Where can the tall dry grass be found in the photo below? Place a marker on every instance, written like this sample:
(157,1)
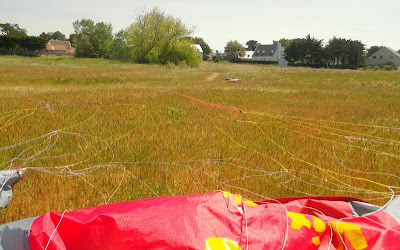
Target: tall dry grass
(162,143)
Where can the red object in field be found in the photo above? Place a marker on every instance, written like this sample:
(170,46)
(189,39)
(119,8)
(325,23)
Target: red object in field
(219,221)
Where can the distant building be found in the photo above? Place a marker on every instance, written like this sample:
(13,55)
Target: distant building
(270,53)
(58,47)
(383,56)
(199,51)
(248,56)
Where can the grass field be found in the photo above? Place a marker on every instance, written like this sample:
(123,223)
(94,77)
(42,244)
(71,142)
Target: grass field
(137,124)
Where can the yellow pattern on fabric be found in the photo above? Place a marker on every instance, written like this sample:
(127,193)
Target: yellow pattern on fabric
(353,233)
(319,225)
(299,220)
(215,243)
(316,241)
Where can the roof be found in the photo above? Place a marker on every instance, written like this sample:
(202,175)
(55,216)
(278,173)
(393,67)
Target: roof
(391,50)
(59,45)
(197,47)
(265,50)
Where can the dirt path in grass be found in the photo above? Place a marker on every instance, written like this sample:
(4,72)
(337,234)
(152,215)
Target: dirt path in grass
(212,76)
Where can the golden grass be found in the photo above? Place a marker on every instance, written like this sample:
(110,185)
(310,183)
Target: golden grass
(137,110)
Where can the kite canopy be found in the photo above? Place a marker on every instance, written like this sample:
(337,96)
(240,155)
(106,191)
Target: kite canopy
(7,180)
(232,79)
(212,221)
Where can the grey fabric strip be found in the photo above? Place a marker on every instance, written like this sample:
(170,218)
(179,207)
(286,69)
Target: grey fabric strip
(393,208)
(15,235)
(361,208)
(7,179)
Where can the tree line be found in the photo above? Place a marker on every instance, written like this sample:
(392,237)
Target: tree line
(15,38)
(154,37)
(337,53)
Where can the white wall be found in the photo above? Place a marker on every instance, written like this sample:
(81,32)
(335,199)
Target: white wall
(382,56)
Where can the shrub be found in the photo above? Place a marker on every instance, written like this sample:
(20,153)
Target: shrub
(390,66)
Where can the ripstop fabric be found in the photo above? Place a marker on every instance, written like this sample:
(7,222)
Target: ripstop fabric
(217,221)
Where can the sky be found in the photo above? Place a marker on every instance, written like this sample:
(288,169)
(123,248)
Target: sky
(219,21)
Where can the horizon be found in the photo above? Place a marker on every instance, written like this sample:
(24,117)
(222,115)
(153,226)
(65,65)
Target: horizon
(218,23)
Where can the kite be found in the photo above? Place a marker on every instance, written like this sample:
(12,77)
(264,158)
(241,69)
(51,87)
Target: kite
(232,79)
(218,220)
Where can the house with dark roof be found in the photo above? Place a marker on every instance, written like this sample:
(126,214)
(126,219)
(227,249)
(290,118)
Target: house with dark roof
(382,56)
(58,47)
(270,53)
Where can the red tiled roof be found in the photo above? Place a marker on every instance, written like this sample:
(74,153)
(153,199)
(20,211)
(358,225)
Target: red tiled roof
(58,45)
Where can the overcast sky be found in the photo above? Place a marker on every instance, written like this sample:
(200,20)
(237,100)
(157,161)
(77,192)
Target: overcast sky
(218,21)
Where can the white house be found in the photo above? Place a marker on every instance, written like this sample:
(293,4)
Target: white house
(248,56)
(383,56)
(270,53)
(199,50)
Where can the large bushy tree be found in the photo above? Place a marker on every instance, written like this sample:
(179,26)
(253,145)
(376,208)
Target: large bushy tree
(233,50)
(346,53)
(252,44)
(314,51)
(92,39)
(155,36)
(11,29)
(53,35)
(120,48)
(284,42)
(295,50)
(306,50)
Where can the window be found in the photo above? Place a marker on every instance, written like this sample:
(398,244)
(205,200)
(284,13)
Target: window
(374,57)
(381,57)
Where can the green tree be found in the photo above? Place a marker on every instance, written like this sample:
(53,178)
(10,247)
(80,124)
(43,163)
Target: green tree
(233,50)
(251,45)
(53,35)
(120,49)
(72,39)
(373,49)
(46,36)
(25,43)
(154,35)
(284,42)
(295,51)
(11,29)
(341,52)
(58,36)
(92,39)
(335,53)
(314,51)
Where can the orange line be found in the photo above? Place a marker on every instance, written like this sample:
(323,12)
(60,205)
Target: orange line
(213,104)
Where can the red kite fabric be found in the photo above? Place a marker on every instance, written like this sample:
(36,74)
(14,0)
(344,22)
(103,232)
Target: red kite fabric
(217,221)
